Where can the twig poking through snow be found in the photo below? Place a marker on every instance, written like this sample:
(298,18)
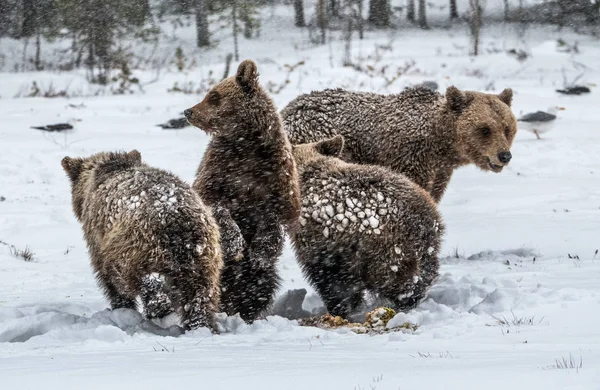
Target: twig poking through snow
(516,321)
(563,363)
(163,348)
(24,254)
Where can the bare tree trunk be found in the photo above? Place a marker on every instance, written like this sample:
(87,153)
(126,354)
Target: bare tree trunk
(227,65)
(202,37)
(454,9)
(506,10)
(379,13)
(77,50)
(422,14)
(410,10)
(38,49)
(235,29)
(321,19)
(25,44)
(348,46)
(475,24)
(299,13)
(361,21)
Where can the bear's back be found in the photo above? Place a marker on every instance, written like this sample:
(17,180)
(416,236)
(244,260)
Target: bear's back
(362,198)
(149,200)
(377,128)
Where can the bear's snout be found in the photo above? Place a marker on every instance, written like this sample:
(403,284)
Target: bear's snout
(188,113)
(504,157)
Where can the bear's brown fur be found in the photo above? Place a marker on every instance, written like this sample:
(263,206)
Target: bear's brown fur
(248,169)
(419,132)
(363,227)
(148,234)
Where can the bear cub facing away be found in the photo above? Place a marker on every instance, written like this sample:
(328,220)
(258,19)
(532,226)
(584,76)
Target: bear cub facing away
(363,227)
(248,170)
(149,235)
(418,132)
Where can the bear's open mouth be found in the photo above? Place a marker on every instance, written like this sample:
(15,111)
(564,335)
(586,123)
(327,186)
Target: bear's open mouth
(494,167)
(201,125)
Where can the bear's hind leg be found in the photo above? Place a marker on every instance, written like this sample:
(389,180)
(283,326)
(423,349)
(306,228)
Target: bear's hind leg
(340,289)
(155,296)
(248,290)
(197,294)
(117,300)
(199,308)
(261,294)
(341,297)
(251,288)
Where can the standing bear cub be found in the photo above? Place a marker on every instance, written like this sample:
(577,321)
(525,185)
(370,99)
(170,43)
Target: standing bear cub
(247,169)
(148,235)
(363,227)
(419,132)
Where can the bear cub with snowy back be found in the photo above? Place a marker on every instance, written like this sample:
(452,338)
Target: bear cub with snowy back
(247,169)
(148,234)
(363,227)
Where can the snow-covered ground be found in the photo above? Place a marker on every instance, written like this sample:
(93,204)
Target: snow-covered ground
(519,285)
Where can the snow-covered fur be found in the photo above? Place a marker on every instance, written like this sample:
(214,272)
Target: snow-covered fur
(232,241)
(248,169)
(363,227)
(418,132)
(149,234)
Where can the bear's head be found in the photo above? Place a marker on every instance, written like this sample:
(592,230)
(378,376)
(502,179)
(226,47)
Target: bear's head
(485,126)
(82,171)
(308,153)
(234,101)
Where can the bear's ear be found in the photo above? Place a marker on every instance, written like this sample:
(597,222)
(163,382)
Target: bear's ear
(331,147)
(247,76)
(457,100)
(72,167)
(135,156)
(506,96)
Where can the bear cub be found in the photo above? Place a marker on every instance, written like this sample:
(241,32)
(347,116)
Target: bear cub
(148,234)
(247,169)
(363,227)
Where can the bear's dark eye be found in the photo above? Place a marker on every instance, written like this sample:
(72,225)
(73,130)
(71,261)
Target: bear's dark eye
(214,98)
(507,131)
(485,131)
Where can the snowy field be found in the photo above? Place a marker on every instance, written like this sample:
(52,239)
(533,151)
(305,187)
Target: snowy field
(520,267)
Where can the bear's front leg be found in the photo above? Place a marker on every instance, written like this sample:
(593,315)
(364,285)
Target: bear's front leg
(440,183)
(267,243)
(105,277)
(232,240)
